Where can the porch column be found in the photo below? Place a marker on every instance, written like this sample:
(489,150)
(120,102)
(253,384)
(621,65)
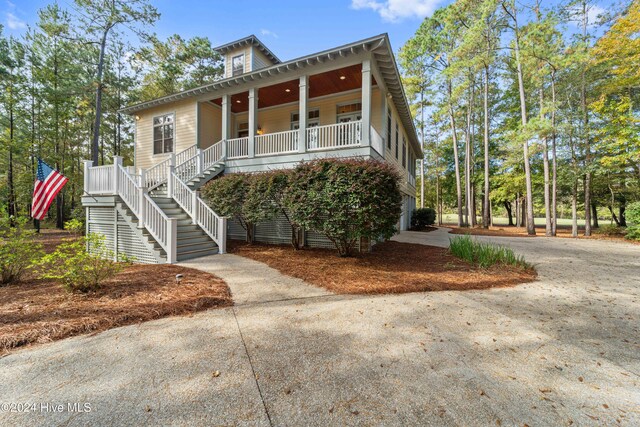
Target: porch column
(383,119)
(253,115)
(366,103)
(225,117)
(302,114)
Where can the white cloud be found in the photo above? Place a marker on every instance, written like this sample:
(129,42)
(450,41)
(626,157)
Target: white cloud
(594,12)
(397,10)
(15,23)
(265,32)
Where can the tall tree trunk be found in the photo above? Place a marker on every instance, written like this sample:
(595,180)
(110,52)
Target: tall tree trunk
(96,126)
(622,217)
(467,166)
(554,174)
(486,209)
(574,209)
(456,158)
(545,164)
(594,214)
(11,202)
(585,130)
(531,227)
(423,146)
(507,206)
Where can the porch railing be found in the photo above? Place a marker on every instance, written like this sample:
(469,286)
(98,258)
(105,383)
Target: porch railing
(238,148)
(99,179)
(277,143)
(338,135)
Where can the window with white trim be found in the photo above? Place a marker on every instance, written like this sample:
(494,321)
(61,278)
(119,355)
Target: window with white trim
(237,65)
(163,134)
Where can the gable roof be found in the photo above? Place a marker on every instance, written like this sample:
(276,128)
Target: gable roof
(251,40)
(379,46)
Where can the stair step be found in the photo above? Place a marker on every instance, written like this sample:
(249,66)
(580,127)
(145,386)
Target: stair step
(184,228)
(189,235)
(189,247)
(197,254)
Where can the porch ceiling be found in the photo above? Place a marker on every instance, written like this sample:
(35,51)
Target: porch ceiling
(334,81)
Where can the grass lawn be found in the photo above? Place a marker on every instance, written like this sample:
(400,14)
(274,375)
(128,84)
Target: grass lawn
(391,267)
(39,310)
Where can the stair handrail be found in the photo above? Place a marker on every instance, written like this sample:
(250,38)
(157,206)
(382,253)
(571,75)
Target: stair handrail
(214,225)
(200,161)
(157,174)
(149,215)
(161,227)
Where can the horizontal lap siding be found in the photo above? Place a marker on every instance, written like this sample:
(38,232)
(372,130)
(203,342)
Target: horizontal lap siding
(184,131)
(131,245)
(210,123)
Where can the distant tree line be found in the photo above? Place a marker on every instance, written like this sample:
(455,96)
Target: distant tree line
(528,110)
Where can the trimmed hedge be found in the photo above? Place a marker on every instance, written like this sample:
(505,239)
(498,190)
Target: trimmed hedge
(421,218)
(344,199)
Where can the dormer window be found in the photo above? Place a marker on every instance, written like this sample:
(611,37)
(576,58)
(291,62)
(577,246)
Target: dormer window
(237,65)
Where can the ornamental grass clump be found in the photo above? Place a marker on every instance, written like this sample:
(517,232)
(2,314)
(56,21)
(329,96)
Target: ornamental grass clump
(485,255)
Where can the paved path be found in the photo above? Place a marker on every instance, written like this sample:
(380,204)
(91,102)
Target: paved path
(559,351)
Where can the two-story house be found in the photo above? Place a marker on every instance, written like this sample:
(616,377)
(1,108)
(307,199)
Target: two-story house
(263,113)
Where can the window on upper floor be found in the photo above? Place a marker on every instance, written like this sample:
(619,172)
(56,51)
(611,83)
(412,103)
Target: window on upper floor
(397,142)
(163,134)
(237,65)
(388,128)
(404,153)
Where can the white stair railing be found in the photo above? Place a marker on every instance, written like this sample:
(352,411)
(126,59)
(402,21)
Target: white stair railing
(213,154)
(157,175)
(128,190)
(212,224)
(161,227)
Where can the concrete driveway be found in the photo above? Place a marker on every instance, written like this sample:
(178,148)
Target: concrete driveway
(563,350)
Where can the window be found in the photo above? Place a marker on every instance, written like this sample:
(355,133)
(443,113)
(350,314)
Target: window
(237,65)
(356,107)
(243,130)
(389,129)
(163,134)
(313,117)
(397,141)
(404,153)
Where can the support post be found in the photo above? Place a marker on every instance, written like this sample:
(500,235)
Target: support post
(222,232)
(87,182)
(172,167)
(365,139)
(194,203)
(172,241)
(253,116)
(117,161)
(200,161)
(383,121)
(302,114)
(225,117)
(143,211)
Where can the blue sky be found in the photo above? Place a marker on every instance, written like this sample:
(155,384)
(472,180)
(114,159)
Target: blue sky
(286,27)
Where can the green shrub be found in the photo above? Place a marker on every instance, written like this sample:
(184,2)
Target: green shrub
(610,230)
(345,200)
(484,255)
(81,265)
(265,200)
(19,251)
(74,226)
(633,221)
(227,195)
(421,218)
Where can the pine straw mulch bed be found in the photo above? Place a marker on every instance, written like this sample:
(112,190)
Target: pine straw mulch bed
(512,231)
(38,310)
(391,267)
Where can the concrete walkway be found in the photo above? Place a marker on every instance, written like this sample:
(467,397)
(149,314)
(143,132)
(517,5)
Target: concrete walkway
(559,351)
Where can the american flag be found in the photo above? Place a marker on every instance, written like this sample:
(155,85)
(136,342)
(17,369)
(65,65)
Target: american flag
(48,184)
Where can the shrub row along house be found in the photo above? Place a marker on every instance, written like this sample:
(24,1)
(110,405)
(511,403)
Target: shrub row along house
(264,114)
